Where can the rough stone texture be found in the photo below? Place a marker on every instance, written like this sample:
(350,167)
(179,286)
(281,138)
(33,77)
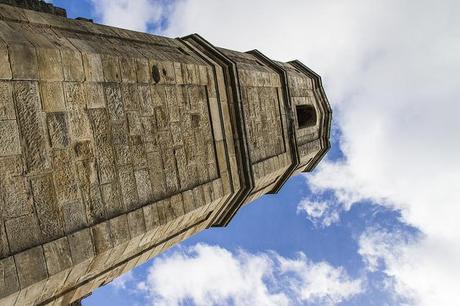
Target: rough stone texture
(115,145)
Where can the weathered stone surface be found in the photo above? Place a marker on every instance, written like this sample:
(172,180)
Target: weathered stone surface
(74,215)
(31,266)
(114,101)
(144,187)
(64,176)
(9,138)
(94,95)
(81,246)
(103,140)
(102,239)
(72,65)
(119,229)
(111,68)
(5,68)
(50,64)
(47,207)
(31,126)
(111,194)
(128,187)
(57,256)
(93,67)
(6,101)
(23,59)
(23,232)
(58,130)
(9,282)
(52,96)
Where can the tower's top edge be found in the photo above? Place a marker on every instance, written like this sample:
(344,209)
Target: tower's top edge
(37,5)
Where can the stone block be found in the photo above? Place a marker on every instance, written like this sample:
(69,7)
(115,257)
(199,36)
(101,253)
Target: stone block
(23,232)
(74,216)
(177,205)
(75,95)
(47,208)
(144,187)
(114,101)
(102,237)
(103,142)
(217,189)
(9,138)
(188,200)
(94,95)
(81,246)
(11,165)
(58,130)
(83,150)
(148,129)
(143,71)
(30,125)
(113,200)
(128,69)
(165,211)
(78,118)
(5,68)
(130,95)
(95,207)
(136,223)
(57,256)
(23,59)
(198,197)
(128,187)
(65,182)
(9,282)
(111,68)
(93,67)
(31,266)
(178,73)
(145,100)
(134,123)
(4,247)
(52,95)
(49,64)
(152,219)
(137,151)
(72,65)
(119,229)
(181,161)
(6,101)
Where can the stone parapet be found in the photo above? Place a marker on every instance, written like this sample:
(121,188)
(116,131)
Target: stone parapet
(37,5)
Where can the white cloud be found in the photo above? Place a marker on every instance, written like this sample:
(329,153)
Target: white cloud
(320,213)
(210,275)
(391,72)
(129,14)
(122,281)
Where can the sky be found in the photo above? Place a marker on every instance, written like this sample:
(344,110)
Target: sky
(376,223)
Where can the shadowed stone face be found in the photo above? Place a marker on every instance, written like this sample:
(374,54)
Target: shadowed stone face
(115,145)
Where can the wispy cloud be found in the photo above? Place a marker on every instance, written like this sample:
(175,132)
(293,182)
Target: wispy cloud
(210,275)
(122,281)
(320,213)
(128,14)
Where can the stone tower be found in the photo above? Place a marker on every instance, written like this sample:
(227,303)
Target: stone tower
(115,145)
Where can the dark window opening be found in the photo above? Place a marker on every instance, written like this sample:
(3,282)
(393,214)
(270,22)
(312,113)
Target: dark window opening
(155,74)
(306,116)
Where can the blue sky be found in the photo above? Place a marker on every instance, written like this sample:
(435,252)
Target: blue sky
(376,222)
